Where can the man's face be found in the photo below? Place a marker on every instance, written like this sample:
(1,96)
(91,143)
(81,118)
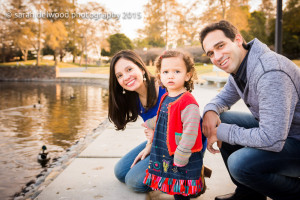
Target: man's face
(224,53)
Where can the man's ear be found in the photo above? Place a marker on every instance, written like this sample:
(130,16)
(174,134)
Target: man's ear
(239,39)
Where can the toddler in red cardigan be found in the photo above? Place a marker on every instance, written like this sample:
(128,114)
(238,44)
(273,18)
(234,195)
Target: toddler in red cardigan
(176,156)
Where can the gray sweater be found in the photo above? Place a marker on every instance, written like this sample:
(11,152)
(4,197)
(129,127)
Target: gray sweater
(273,93)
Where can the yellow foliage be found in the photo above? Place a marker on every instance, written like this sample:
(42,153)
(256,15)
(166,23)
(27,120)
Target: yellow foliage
(55,34)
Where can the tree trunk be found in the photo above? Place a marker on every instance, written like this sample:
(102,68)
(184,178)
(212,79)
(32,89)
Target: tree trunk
(55,58)
(61,56)
(25,53)
(81,56)
(38,56)
(3,52)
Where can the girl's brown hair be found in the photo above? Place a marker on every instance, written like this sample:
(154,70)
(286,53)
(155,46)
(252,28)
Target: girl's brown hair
(188,61)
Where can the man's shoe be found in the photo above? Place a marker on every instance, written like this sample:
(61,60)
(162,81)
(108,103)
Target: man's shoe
(207,172)
(239,196)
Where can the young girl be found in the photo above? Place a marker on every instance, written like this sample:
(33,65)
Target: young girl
(176,158)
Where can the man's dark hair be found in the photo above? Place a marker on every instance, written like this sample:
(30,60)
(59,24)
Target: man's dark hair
(226,27)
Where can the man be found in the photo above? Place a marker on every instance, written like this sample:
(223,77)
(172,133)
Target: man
(261,150)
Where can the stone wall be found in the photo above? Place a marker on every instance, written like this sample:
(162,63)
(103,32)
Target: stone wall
(28,73)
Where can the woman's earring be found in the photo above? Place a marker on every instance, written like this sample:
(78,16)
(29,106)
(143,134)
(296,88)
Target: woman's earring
(124,91)
(144,79)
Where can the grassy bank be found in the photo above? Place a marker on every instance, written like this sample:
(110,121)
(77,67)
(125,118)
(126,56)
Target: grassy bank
(43,63)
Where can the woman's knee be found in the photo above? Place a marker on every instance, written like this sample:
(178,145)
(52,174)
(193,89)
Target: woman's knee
(135,183)
(119,171)
(135,177)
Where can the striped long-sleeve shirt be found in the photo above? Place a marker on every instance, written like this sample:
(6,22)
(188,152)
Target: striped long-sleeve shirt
(190,118)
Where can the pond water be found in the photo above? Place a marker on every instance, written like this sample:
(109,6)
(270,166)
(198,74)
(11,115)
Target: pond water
(37,114)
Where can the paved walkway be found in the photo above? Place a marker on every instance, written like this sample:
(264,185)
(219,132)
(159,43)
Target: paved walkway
(90,175)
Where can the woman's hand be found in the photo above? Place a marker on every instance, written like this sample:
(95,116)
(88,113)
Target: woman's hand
(143,154)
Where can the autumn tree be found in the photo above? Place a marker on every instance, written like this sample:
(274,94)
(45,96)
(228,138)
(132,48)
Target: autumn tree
(21,27)
(94,32)
(6,40)
(216,11)
(55,35)
(235,11)
(169,23)
(189,23)
(58,10)
(154,24)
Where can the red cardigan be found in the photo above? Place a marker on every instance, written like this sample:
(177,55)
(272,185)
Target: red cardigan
(174,121)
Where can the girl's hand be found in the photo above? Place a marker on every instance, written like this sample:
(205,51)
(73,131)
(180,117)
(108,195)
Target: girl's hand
(149,133)
(143,154)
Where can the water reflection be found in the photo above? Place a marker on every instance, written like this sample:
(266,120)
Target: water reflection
(34,114)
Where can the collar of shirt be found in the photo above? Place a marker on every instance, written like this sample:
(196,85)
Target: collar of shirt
(241,75)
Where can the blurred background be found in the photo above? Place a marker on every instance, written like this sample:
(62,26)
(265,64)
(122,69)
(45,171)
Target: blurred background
(88,33)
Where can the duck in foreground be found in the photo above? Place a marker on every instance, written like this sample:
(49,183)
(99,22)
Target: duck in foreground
(43,157)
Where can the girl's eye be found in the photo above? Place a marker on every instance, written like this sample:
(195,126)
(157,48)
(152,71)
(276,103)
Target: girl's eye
(165,72)
(129,69)
(177,72)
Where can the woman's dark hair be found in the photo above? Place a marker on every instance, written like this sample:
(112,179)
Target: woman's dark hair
(226,27)
(188,61)
(123,108)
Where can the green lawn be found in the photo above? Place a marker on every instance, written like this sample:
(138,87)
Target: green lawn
(43,63)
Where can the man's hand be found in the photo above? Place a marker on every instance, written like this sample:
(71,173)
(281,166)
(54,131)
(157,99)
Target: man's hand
(210,121)
(211,140)
(142,155)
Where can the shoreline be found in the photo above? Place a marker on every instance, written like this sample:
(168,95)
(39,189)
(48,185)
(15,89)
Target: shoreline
(34,187)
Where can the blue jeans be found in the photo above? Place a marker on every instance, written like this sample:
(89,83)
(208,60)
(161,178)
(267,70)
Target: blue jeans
(133,177)
(261,173)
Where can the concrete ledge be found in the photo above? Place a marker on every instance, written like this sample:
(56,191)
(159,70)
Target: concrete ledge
(28,72)
(89,179)
(114,144)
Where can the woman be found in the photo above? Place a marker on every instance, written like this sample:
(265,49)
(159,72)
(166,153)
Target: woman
(133,91)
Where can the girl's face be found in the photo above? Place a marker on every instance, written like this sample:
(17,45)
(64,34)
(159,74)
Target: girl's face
(129,75)
(173,74)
